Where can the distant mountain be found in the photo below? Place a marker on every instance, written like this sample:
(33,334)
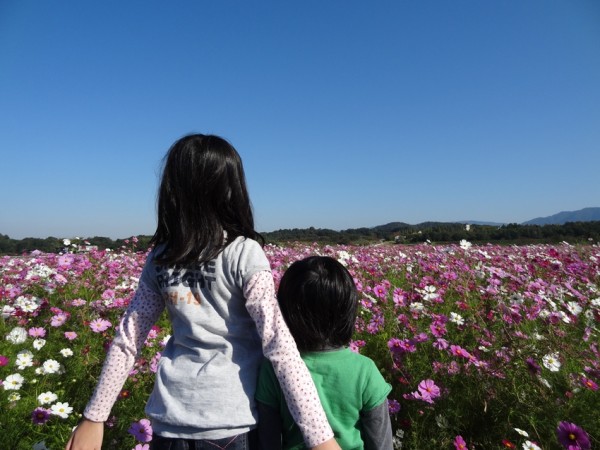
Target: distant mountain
(582,215)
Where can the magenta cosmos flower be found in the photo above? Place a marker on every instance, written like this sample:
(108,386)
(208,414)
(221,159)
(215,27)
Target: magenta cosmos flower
(590,384)
(3,360)
(457,350)
(459,443)
(429,388)
(572,437)
(142,430)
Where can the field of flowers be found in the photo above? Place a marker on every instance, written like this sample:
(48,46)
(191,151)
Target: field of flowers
(486,347)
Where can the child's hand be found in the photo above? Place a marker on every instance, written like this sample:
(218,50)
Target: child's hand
(87,436)
(331,444)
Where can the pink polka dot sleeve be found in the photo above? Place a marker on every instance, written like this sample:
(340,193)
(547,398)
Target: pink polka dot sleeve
(143,311)
(279,347)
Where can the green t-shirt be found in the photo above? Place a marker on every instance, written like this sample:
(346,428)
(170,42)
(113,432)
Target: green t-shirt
(347,383)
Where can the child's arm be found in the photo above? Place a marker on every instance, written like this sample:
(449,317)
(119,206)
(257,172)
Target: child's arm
(376,428)
(269,427)
(279,347)
(143,311)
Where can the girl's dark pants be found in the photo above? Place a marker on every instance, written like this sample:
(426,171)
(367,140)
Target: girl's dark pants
(246,441)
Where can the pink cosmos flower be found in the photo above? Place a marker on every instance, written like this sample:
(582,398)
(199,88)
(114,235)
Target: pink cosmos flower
(459,443)
(590,384)
(380,291)
(58,319)
(440,344)
(142,447)
(154,362)
(100,325)
(453,368)
(438,329)
(394,344)
(407,345)
(142,430)
(429,388)
(399,297)
(3,360)
(457,350)
(37,332)
(108,294)
(70,335)
(355,346)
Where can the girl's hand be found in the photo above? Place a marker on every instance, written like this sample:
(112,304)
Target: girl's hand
(331,444)
(86,436)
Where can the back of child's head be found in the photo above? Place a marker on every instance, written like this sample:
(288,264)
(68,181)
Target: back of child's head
(318,300)
(202,195)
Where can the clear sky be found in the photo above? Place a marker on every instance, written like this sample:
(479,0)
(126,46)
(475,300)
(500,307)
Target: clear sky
(346,113)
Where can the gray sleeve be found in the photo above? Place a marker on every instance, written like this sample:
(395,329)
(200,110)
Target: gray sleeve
(376,428)
(269,427)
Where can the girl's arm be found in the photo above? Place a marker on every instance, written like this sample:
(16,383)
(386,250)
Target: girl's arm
(143,311)
(279,347)
(376,428)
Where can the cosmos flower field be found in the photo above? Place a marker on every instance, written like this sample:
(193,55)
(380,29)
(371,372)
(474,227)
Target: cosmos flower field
(486,347)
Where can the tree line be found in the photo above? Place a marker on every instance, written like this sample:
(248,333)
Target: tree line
(396,232)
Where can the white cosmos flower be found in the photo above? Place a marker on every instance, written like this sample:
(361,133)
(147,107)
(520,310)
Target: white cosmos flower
(165,340)
(344,257)
(14,396)
(544,313)
(429,293)
(596,302)
(51,366)
(456,318)
(24,359)
(61,409)
(574,308)
(27,304)
(66,352)
(465,245)
(13,382)
(528,445)
(17,335)
(39,343)
(416,306)
(7,311)
(564,317)
(47,398)
(551,362)
(66,242)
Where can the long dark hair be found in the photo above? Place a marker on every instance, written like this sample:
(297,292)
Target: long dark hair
(318,301)
(202,195)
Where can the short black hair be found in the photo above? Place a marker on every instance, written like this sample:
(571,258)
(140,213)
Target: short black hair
(319,301)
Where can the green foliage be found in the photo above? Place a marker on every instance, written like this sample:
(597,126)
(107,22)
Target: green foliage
(398,232)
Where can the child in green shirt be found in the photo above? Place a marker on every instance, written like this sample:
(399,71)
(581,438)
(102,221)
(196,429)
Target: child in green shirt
(319,301)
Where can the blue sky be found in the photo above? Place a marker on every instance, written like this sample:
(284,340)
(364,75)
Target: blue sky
(346,113)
